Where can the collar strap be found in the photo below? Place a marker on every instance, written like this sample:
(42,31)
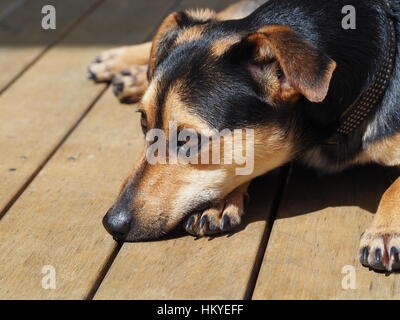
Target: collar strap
(369,99)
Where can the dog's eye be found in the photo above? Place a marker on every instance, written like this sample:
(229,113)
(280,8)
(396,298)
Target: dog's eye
(191,142)
(143,121)
(279,72)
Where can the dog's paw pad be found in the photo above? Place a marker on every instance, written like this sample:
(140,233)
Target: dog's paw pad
(130,84)
(380,250)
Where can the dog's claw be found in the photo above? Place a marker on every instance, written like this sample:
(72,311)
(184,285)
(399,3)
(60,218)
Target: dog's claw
(91,76)
(364,252)
(394,254)
(127,100)
(126,72)
(378,256)
(204,219)
(118,87)
(394,258)
(226,223)
(189,223)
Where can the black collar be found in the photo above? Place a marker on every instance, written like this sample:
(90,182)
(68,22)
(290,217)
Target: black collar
(370,98)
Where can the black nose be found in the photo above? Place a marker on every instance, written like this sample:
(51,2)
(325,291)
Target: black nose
(117,223)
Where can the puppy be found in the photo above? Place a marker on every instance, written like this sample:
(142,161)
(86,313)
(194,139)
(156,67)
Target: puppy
(309,88)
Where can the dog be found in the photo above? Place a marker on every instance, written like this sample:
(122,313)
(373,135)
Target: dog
(310,89)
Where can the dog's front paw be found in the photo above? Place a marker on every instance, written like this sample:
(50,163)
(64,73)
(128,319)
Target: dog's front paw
(380,249)
(107,64)
(224,216)
(130,84)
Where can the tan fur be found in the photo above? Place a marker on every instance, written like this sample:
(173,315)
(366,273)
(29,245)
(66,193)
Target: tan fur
(219,47)
(148,103)
(168,24)
(201,14)
(176,110)
(292,52)
(190,34)
(385,152)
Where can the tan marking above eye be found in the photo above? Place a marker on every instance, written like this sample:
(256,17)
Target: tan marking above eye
(148,102)
(190,34)
(219,47)
(176,110)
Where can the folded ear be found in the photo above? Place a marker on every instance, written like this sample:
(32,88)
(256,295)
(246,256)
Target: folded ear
(306,70)
(170,29)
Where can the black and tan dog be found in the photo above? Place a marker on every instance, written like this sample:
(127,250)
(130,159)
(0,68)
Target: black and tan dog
(310,88)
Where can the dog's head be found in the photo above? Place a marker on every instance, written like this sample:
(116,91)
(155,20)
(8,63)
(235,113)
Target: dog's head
(207,77)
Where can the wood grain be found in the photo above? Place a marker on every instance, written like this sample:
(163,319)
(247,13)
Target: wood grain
(21,35)
(317,233)
(57,220)
(38,111)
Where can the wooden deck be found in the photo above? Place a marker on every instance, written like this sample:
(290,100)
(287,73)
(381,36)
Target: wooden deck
(66,145)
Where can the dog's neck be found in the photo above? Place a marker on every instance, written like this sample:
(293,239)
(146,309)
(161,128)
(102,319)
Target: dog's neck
(371,97)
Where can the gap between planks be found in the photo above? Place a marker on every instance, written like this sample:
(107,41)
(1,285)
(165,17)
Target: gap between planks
(51,154)
(284,177)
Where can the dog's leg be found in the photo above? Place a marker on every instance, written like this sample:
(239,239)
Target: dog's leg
(380,243)
(223,216)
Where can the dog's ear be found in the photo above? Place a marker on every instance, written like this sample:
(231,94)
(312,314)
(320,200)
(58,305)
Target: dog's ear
(302,69)
(170,29)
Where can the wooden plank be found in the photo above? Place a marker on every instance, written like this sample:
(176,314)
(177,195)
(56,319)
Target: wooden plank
(38,111)
(190,268)
(317,233)
(21,35)
(57,220)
